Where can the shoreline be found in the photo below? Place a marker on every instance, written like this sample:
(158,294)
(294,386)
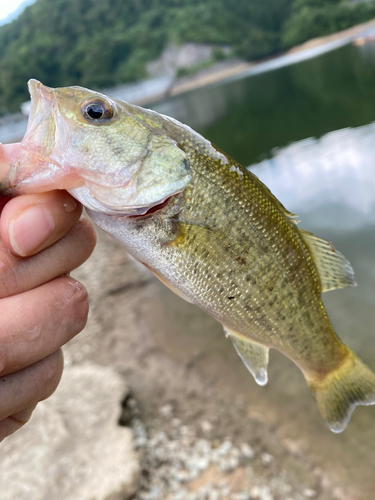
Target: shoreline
(13,127)
(235,70)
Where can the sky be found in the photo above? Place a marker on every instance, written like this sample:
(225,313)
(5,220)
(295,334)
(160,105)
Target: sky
(8,6)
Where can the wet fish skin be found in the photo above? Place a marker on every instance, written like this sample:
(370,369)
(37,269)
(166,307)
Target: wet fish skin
(225,243)
(268,291)
(222,260)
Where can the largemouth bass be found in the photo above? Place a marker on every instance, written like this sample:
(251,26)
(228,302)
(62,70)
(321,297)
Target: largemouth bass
(205,226)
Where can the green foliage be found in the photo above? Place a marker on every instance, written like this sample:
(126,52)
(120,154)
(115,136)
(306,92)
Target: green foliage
(258,43)
(310,19)
(99,43)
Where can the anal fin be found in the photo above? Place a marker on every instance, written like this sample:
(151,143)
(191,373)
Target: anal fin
(254,355)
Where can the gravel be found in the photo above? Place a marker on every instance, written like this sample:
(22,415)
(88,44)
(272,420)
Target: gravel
(179,464)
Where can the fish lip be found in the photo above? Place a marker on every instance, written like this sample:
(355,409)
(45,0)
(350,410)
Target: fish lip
(35,86)
(28,172)
(18,178)
(42,104)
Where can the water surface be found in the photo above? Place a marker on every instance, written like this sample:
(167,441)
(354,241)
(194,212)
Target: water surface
(251,116)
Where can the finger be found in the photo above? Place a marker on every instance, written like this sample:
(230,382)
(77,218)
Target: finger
(25,388)
(8,153)
(36,323)
(18,274)
(14,422)
(33,222)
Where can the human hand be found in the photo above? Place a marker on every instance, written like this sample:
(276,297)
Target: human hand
(42,238)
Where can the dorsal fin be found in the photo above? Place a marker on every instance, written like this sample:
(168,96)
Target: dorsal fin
(280,206)
(334,269)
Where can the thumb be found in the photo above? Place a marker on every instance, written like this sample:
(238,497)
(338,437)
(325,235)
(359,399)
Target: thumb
(8,154)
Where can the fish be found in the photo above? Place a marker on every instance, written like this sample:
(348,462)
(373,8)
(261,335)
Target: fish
(206,226)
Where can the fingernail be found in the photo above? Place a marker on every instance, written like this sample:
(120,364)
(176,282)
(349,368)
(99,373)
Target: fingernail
(30,230)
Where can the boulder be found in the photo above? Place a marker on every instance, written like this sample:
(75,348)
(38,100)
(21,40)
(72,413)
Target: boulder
(73,447)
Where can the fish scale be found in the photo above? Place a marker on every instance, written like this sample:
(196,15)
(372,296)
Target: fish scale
(263,270)
(205,226)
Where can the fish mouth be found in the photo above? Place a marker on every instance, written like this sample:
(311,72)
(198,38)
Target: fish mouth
(155,208)
(34,171)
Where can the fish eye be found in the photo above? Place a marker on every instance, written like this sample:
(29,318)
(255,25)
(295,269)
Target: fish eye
(97,109)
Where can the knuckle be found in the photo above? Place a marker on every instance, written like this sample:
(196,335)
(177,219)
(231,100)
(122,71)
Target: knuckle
(76,246)
(23,416)
(85,231)
(51,371)
(6,364)
(74,300)
(9,273)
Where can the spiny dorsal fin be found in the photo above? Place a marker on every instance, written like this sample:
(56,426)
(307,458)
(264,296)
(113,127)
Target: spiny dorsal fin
(334,269)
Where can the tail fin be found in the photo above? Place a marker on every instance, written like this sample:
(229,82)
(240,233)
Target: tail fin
(337,395)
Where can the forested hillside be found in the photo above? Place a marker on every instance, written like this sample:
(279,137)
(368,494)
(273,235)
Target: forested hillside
(97,43)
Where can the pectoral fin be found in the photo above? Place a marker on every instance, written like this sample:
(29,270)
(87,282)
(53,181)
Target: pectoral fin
(254,355)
